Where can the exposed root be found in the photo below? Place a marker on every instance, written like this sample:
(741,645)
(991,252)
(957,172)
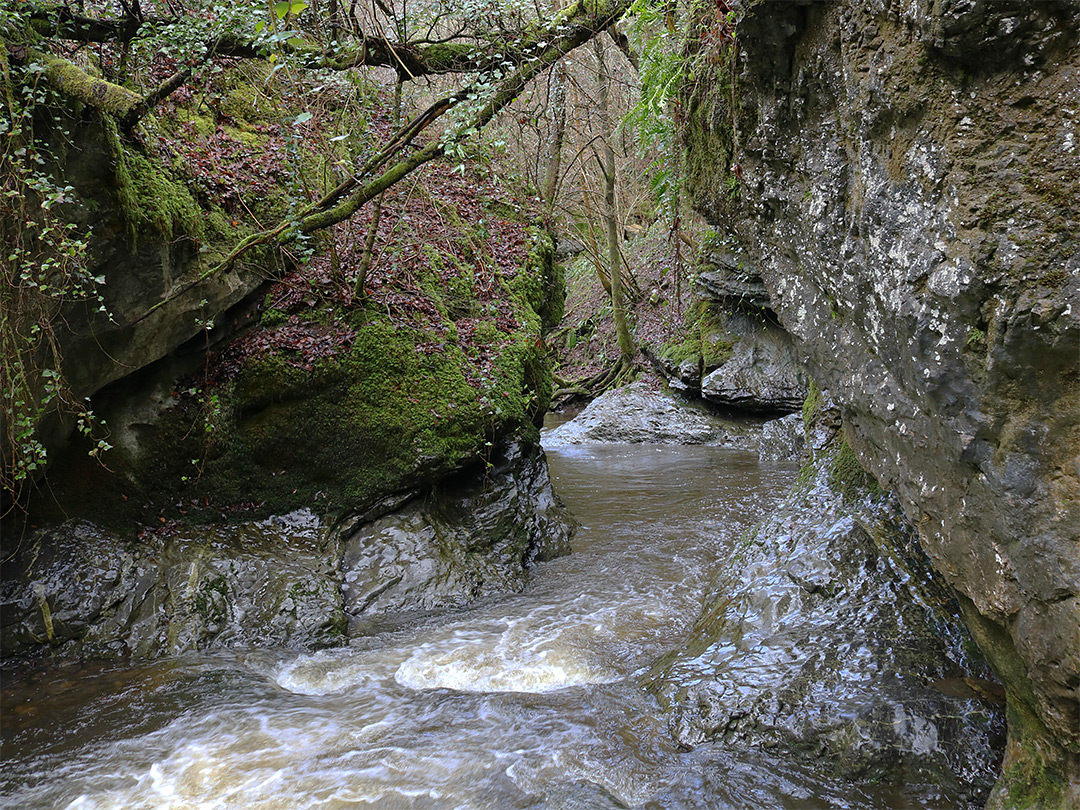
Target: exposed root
(617,374)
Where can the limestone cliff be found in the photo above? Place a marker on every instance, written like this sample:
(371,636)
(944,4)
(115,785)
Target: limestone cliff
(904,177)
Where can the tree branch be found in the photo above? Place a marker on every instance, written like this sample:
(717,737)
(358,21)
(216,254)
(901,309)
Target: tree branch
(576,26)
(75,83)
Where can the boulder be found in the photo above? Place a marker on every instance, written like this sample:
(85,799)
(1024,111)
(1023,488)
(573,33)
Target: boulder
(783,439)
(77,588)
(473,536)
(639,413)
(763,373)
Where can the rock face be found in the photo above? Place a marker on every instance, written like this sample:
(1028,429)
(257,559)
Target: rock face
(288,581)
(736,356)
(78,588)
(638,413)
(907,189)
(470,538)
(764,373)
(156,296)
(783,439)
(828,639)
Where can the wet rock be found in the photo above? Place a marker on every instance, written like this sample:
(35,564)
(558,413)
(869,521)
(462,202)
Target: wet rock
(763,373)
(80,589)
(725,277)
(639,414)
(783,439)
(735,356)
(463,540)
(280,582)
(933,283)
(823,643)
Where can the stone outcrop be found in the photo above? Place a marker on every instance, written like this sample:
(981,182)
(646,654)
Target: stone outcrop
(905,179)
(827,640)
(639,414)
(151,242)
(763,372)
(473,536)
(737,355)
(294,581)
(783,439)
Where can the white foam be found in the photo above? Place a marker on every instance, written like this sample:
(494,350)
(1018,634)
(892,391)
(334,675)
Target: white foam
(479,668)
(331,671)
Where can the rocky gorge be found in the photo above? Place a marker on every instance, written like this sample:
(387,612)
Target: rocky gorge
(898,271)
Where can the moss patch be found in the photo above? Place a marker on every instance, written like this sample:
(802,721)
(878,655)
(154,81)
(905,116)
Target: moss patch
(150,199)
(1035,770)
(707,342)
(812,405)
(399,405)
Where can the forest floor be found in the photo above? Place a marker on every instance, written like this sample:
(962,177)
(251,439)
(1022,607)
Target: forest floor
(585,342)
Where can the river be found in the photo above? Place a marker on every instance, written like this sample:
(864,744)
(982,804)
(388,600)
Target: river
(530,700)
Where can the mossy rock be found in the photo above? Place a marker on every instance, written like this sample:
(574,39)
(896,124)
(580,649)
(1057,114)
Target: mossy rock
(397,408)
(707,343)
(384,416)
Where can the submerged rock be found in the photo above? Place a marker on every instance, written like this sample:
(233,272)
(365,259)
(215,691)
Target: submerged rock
(829,641)
(640,414)
(284,581)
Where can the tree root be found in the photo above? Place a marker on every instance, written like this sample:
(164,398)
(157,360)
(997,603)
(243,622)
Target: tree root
(572,392)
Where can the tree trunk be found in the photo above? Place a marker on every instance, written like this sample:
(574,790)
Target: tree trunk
(376,212)
(618,306)
(553,158)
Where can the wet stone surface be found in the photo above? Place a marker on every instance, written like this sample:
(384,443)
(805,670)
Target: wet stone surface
(641,414)
(286,581)
(828,640)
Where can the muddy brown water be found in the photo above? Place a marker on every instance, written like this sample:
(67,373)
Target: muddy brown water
(530,700)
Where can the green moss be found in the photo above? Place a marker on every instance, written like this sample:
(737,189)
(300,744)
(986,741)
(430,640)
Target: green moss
(254,140)
(709,133)
(396,409)
(540,285)
(201,124)
(149,197)
(1035,771)
(707,341)
(273,317)
(244,102)
(846,474)
(812,405)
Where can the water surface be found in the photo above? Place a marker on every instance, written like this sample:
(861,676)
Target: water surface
(529,700)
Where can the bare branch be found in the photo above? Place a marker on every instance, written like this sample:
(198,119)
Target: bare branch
(576,26)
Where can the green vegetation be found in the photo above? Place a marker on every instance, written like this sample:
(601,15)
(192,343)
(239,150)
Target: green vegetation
(812,405)
(706,343)
(1035,771)
(149,198)
(846,473)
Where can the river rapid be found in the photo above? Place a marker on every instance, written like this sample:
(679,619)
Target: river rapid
(530,700)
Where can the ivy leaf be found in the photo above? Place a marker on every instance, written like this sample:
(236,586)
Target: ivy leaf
(284,9)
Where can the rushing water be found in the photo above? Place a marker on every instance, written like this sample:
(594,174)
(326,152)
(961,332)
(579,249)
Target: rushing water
(526,701)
